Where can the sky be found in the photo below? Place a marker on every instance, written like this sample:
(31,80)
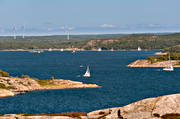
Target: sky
(89,16)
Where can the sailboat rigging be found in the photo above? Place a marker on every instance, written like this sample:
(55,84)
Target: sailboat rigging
(170,67)
(87,74)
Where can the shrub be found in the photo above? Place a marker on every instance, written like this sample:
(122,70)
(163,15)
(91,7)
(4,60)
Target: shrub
(2,86)
(43,82)
(25,76)
(10,87)
(4,74)
(52,78)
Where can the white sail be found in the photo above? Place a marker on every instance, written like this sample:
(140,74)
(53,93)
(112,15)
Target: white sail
(87,74)
(73,50)
(99,49)
(139,49)
(170,67)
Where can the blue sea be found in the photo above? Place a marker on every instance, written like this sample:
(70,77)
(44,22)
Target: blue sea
(121,85)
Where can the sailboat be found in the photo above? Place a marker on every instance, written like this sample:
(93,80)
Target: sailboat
(139,49)
(170,67)
(73,49)
(87,74)
(99,49)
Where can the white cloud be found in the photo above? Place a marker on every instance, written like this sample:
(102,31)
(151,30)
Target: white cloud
(107,26)
(154,25)
(67,28)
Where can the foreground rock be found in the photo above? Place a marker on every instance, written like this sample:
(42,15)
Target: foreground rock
(146,63)
(152,108)
(71,115)
(9,86)
(35,117)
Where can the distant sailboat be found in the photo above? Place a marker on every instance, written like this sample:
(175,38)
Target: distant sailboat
(170,67)
(99,49)
(87,74)
(139,49)
(36,51)
(73,51)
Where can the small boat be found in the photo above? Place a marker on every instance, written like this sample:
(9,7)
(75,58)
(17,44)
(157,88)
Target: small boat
(139,49)
(62,50)
(73,51)
(99,49)
(170,67)
(36,51)
(87,74)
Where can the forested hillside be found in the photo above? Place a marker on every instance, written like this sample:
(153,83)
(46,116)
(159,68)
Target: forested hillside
(88,42)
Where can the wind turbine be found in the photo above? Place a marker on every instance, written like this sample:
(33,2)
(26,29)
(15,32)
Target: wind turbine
(14,30)
(68,35)
(23,29)
(67,29)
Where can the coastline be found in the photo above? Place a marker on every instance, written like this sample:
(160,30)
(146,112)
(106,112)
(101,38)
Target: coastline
(146,63)
(71,49)
(11,86)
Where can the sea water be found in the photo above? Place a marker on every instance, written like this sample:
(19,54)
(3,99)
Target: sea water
(121,85)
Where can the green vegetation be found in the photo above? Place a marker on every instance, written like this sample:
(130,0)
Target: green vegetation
(173,56)
(46,42)
(171,116)
(175,49)
(52,78)
(4,74)
(88,42)
(44,82)
(2,86)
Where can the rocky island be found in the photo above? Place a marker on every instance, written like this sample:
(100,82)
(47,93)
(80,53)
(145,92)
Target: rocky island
(147,63)
(10,86)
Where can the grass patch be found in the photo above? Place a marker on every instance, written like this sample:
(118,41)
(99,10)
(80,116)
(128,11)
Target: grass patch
(44,82)
(70,114)
(2,86)
(178,63)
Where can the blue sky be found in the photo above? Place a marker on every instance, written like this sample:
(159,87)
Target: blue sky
(91,15)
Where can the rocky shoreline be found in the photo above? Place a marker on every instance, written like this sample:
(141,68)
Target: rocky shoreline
(163,107)
(11,86)
(146,63)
